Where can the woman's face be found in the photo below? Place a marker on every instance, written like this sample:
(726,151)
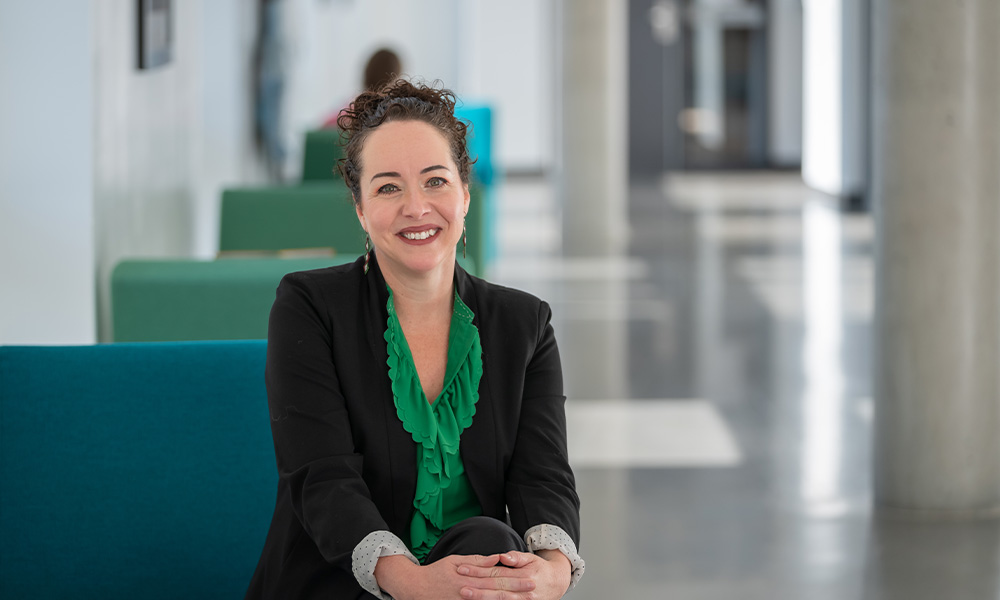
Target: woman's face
(413,201)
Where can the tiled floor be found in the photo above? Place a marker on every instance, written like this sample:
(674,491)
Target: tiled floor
(720,399)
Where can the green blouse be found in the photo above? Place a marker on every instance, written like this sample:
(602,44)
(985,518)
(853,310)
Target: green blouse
(444,496)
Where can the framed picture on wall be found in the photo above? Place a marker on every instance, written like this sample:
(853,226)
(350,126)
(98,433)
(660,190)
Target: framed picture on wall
(155,33)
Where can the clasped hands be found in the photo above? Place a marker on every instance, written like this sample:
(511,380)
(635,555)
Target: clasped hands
(509,576)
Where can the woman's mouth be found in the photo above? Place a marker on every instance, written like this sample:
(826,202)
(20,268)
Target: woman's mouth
(419,235)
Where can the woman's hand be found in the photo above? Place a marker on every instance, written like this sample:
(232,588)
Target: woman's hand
(450,577)
(549,572)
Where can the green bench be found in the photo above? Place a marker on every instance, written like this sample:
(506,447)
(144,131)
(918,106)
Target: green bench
(310,215)
(155,300)
(184,299)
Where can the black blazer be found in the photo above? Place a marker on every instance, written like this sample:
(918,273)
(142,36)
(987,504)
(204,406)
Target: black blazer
(347,467)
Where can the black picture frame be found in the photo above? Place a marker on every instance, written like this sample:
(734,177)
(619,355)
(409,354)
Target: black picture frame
(155,33)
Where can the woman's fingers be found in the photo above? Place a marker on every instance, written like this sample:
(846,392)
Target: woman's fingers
(516,559)
(487,572)
(494,581)
(480,560)
(500,583)
(499,588)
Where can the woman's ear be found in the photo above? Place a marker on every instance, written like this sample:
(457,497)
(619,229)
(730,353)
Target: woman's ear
(468,198)
(361,216)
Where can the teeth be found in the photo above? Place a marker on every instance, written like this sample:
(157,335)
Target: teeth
(423,235)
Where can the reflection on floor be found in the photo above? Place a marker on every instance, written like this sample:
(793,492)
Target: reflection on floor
(651,433)
(720,400)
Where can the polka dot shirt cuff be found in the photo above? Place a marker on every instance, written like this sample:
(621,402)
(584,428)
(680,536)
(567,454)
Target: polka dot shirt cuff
(551,537)
(366,554)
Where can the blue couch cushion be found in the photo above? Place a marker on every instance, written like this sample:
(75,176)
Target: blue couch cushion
(133,470)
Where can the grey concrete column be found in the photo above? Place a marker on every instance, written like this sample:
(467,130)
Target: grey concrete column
(593,125)
(936,189)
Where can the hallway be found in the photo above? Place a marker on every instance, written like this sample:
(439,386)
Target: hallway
(720,407)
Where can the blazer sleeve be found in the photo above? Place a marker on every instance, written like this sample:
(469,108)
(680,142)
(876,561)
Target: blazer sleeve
(313,443)
(540,486)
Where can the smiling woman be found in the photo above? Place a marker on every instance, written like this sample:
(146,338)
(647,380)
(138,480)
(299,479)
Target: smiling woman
(417,411)
(413,200)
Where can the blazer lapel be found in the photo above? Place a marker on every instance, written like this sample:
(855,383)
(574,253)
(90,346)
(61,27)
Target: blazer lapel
(402,450)
(478,446)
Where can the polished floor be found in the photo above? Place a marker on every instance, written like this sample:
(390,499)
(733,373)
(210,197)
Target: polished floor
(719,382)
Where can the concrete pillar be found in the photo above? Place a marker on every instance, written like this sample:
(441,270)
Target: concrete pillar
(593,125)
(936,188)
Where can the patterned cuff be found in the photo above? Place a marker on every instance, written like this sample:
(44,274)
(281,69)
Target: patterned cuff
(552,537)
(366,554)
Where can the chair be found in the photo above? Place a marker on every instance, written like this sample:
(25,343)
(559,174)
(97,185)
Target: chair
(320,154)
(312,215)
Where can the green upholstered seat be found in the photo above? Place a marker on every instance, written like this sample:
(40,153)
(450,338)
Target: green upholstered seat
(313,215)
(320,154)
(133,470)
(184,299)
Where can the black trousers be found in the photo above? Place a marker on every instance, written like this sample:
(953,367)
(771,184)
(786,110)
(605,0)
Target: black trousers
(476,535)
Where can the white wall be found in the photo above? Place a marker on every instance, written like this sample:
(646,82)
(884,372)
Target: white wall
(46,173)
(146,145)
(822,160)
(834,145)
(506,58)
(171,138)
(224,119)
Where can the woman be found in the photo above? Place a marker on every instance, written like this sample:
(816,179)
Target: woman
(417,411)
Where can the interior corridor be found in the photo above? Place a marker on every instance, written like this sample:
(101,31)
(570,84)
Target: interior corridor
(719,384)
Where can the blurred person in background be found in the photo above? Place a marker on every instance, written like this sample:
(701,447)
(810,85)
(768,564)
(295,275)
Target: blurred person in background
(383,67)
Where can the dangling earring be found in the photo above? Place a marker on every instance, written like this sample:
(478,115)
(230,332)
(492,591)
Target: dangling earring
(368,249)
(464,241)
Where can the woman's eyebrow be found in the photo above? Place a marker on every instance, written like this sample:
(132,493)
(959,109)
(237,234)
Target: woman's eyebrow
(395,174)
(385,174)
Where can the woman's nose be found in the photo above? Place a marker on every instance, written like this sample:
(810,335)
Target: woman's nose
(415,204)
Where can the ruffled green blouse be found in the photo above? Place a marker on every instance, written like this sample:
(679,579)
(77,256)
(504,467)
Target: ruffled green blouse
(444,495)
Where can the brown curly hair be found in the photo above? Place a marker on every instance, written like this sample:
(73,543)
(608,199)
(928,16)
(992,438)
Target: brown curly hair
(399,100)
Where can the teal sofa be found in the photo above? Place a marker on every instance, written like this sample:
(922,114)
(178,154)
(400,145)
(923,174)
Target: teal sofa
(133,470)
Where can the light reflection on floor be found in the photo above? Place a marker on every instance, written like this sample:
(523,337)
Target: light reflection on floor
(648,434)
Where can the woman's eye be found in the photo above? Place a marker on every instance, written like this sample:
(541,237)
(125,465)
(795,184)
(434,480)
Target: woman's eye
(436,182)
(388,188)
